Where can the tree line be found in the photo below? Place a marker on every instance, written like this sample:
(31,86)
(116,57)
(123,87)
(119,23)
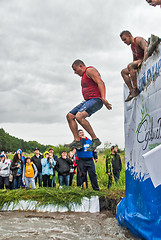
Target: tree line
(9,143)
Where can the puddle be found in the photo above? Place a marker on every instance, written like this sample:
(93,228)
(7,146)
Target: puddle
(61,226)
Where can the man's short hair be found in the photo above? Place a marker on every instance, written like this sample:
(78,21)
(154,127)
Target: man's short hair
(112,148)
(63,151)
(78,62)
(80,130)
(125,32)
(51,149)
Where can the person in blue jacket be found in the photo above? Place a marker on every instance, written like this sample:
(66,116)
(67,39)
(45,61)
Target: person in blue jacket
(47,170)
(85,162)
(20,154)
(55,157)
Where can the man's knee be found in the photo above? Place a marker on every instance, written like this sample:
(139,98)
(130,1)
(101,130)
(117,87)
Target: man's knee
(79,116)
(70,117)
(131,67)
(124,72)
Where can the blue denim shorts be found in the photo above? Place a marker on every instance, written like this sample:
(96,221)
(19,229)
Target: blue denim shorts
(90,106)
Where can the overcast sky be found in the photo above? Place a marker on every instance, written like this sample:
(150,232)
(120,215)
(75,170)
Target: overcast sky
(39,40)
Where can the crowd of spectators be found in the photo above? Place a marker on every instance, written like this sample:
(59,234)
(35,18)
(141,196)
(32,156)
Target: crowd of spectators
(47,170)
(41,170)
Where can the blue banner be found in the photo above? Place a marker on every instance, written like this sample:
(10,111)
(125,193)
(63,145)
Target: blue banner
(140,210)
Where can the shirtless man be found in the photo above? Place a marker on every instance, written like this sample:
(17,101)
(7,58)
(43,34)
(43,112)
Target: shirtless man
(139,50)
(94,93)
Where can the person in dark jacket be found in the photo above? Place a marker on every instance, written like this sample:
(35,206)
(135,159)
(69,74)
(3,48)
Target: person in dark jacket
(63,167)
(17,168)
(36,159)
(113,165)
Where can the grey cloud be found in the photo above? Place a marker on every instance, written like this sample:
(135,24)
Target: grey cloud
(40,40)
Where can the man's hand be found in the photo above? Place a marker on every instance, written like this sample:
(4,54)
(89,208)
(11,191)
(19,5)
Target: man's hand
(107,104)
(139,63)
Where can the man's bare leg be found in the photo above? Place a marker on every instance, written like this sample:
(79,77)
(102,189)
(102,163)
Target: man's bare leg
(126,76)
(132,69)
(74,129)
(81,118)
(73,126)
(127,79)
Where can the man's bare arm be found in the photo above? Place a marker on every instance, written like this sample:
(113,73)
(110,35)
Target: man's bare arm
(95,76)
(143,44)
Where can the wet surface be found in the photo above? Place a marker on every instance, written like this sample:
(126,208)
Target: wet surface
(61,226)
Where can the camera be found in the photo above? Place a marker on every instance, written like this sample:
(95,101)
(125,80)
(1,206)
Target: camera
(50,161)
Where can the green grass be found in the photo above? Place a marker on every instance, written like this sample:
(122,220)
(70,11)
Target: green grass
(44,196)
(63,197)
(68,195)
(103,177)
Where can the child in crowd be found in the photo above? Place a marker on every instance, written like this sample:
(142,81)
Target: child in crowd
(29,173)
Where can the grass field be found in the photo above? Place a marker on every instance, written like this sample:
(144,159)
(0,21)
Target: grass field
(103,177)
(69,194)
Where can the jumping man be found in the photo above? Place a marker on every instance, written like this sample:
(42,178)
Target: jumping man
(94,93)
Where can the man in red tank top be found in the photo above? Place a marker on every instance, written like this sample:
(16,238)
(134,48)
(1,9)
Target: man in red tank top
(94,93)
(139,50)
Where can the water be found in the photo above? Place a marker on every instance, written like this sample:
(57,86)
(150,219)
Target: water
(61,226)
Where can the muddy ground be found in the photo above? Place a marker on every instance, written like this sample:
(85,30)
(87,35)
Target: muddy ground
(61,226)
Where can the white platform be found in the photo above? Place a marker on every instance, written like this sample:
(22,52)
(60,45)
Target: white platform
(88,205)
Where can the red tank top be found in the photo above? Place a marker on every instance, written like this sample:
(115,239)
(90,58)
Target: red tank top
(89,87)
(138,52)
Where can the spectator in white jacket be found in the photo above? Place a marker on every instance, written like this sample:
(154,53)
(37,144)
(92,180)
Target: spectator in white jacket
(4,171)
